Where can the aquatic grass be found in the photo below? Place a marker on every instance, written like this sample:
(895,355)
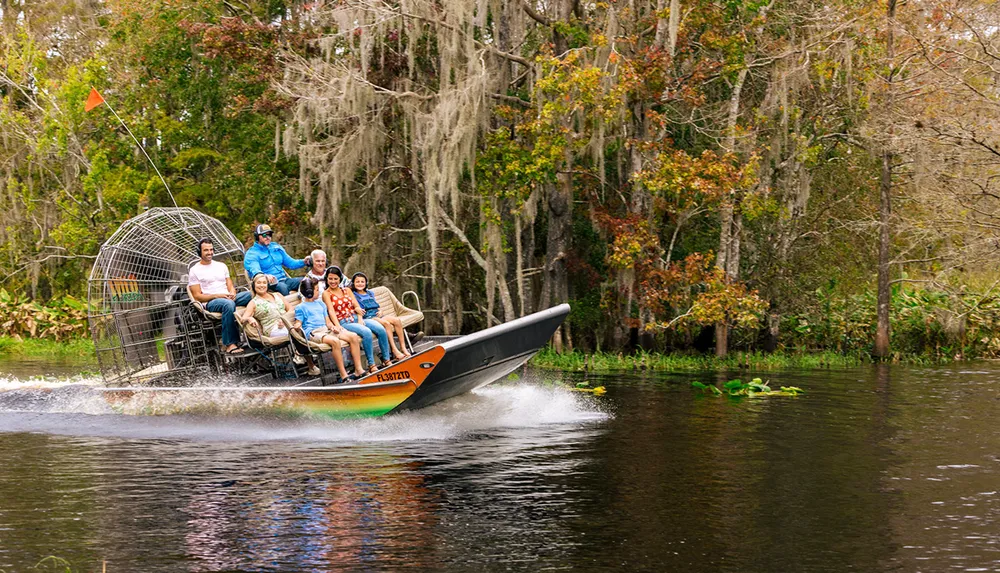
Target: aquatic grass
(53,563)
(608,362)
(41,347)
(58,565)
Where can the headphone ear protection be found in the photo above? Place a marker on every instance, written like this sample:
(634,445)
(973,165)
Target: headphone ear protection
(202,243)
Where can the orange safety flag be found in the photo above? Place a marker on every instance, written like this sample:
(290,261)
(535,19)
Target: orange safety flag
(93,100)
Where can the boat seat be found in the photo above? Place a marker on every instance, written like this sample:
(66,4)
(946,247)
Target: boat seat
(200,306)
(275,349)
(390,305)
(292,300)
(299,337)
(254,335)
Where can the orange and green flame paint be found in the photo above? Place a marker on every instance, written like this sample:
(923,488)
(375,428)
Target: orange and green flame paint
(374,395)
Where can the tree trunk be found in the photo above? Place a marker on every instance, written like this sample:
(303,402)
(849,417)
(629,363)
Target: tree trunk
(556,289)
(519,264)
(728,258)
(666,30)
(641,205)
(733,256)
(449,297)
(532,288)
(885,210)
(560,203)
(503,32)
(661,25)
(881,349)
(675,21)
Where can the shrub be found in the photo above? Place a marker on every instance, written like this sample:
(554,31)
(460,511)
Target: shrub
(59,319)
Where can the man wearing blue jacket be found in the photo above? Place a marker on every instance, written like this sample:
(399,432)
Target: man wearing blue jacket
(270,258)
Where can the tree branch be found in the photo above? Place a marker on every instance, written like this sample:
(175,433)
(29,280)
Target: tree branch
(511,99)
(535,15)
(476,256)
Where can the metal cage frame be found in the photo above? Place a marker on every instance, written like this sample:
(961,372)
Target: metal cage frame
(137,304)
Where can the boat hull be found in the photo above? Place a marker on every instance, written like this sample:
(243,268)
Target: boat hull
(373,395)
(486,356)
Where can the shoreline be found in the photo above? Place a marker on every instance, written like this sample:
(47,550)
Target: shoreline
(80,348)
(547,359)
(681,362)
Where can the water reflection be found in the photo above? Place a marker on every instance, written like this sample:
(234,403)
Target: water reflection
(25,367)
(874,469)
(371,507)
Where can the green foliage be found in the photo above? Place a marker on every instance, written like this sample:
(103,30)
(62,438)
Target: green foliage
(81,349)
(933,324)
(193,84)
(652,361)
(644,139)
(55,564)
(58,320)
(707,388)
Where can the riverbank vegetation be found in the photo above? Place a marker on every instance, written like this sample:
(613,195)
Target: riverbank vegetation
(82,348)
(59,319)
(641,361)
(691,176)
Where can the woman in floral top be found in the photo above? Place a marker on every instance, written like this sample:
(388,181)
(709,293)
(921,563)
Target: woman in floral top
(265,309)
(343,308)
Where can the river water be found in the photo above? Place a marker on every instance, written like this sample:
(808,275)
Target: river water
(873,469)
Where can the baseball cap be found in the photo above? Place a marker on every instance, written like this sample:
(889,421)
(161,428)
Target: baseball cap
(261,229)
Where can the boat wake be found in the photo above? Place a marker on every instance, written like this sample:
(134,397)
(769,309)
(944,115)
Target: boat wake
(75,407)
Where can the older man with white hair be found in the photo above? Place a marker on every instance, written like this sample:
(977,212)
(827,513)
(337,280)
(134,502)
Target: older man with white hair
(317,270)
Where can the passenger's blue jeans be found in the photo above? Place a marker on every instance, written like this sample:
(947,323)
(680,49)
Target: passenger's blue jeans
(243,298)
(286,285)
(230,332)
(366,338)
(383,337)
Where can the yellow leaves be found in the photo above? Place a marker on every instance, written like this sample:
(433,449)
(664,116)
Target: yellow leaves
(725,301)
(632,239)
(695,292)
(685,179)
(571,90)
(625,249)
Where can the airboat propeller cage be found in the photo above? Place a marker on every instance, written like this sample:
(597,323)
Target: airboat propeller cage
(138,287)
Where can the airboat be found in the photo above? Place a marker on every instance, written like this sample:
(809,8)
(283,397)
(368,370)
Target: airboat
(153,341)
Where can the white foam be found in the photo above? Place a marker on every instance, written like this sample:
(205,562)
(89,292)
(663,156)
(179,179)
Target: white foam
(522,405)
(72,406)
(46,382)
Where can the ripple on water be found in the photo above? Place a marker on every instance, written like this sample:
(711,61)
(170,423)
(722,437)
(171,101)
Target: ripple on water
(873,469)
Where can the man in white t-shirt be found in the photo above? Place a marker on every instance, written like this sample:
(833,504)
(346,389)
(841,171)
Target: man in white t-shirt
(212,286)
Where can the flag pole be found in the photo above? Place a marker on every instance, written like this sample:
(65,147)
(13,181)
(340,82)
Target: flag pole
(105,102)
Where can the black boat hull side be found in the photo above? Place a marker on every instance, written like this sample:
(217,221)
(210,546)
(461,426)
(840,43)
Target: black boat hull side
(486,356)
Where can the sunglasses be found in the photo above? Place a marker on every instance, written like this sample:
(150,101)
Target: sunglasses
(268,235)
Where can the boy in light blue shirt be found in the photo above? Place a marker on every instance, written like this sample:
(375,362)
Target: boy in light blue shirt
(311,315)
